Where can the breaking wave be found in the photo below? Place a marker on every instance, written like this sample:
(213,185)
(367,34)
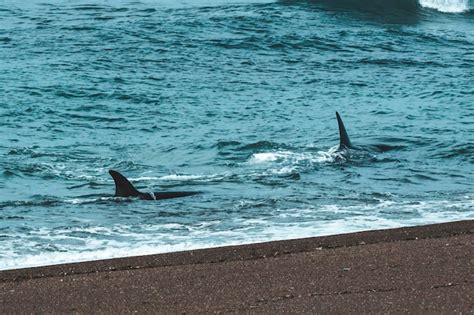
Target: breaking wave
(45,247)
(449,6)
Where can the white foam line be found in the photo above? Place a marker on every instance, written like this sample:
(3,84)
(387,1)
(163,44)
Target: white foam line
(177,177)
(284,156)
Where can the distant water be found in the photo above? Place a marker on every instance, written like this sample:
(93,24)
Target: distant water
(236,99)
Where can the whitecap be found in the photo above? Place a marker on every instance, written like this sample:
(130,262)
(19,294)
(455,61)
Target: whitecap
(448,6)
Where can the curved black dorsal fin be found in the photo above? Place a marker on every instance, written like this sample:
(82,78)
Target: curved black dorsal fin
(123,188)
(344,138)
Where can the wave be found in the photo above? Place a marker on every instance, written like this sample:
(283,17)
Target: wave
(179,178)
(120,6)
(83,243)
(392,9)
(45,201)
(458,151)
(309,159)
(448,6)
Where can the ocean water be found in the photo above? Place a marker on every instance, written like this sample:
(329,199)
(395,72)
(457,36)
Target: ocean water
(236,99)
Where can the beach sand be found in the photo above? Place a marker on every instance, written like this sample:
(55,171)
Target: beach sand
(426,269)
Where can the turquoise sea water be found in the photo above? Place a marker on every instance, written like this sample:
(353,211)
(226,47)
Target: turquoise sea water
(236,99)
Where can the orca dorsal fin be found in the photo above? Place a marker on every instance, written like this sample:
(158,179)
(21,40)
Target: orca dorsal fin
(123,187)
(344,138)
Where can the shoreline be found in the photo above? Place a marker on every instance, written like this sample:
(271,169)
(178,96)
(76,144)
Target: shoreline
(259,277)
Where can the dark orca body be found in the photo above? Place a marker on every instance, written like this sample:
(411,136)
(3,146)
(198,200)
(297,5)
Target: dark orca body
(123,188)
(344,142)
(346,145)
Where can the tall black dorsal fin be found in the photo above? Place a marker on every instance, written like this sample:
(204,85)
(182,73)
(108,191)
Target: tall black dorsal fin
(123,188)
(344,138)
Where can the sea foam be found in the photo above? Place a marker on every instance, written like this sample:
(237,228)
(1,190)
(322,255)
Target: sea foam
(449,6)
